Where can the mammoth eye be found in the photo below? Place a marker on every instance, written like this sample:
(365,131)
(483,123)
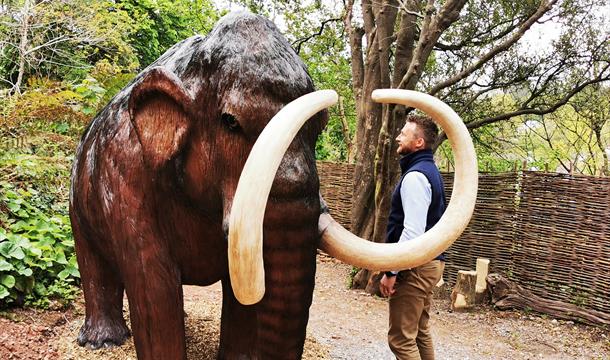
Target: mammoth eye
(230,121)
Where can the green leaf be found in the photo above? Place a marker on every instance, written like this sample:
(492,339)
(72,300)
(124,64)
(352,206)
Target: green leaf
(64,274)
(13,207)
(18,240)
(21,226)
(5,266)
(2,234)
(35,251)
(43,226)
(60,258)
(73,261)
(4,292)
(40,289)
(8,250)
(25,272)
(74,271)
(7,280)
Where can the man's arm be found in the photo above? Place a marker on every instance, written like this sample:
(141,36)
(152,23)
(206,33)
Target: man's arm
(416,195)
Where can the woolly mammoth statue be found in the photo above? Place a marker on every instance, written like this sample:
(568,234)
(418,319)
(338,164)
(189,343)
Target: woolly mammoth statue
(199,171)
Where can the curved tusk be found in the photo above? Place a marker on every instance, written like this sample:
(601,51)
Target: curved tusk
(347,247)
(246,219)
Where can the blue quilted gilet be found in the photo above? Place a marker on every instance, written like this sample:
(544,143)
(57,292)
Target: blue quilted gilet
(423,162)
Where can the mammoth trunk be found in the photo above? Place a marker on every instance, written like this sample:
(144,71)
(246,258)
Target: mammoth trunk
(275,327)
(289,253)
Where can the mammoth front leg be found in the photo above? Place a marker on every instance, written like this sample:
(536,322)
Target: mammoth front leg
(154,291)
(104,324)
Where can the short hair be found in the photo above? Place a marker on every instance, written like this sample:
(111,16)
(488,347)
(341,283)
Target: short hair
(428,130)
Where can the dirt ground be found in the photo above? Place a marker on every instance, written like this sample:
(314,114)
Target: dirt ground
(344,324)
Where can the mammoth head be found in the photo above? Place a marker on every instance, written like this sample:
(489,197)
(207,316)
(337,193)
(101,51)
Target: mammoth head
(235,78)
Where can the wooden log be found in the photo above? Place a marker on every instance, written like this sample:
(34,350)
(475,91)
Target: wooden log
(506,294)
(463,294)
(481,293)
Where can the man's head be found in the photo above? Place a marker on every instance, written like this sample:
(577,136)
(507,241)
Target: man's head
(418,133)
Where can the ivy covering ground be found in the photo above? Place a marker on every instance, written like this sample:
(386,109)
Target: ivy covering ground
(37,259)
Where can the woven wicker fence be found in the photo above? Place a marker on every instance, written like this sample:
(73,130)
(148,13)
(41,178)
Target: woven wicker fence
(491,230)
(548,232)
(336,188)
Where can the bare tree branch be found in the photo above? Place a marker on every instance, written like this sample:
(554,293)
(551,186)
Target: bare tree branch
(544,7)
(299,42)
(432,28)
(528,110)
(405,8)
(470,42)
(60,39)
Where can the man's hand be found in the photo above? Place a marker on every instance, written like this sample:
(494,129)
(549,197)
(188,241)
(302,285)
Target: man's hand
(386,285)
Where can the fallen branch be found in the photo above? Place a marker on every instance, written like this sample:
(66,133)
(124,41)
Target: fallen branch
(506,295)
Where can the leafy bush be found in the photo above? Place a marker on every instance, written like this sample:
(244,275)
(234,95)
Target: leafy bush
(37,259)
(46,102)
(90,93)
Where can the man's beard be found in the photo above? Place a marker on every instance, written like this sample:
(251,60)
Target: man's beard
(404,151)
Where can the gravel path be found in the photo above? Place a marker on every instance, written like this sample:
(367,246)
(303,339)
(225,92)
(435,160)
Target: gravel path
(344,324)
(356,328)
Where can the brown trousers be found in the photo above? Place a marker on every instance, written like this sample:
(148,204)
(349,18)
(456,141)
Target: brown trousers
(409,335)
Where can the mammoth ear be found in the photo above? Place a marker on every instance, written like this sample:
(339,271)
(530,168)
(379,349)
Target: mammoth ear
(159,108)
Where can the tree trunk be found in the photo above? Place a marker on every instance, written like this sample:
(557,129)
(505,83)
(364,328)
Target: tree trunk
(377,75)
(23,45)
(377,167)
(346,135)
(366,140)
(605,161)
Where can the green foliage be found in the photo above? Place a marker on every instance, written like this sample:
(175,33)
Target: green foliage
(351,276)
(37,259)
(574,137)
(90,93)
(159,24)
(110,77)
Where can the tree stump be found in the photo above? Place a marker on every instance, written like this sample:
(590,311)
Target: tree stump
(463,295)
(506,294)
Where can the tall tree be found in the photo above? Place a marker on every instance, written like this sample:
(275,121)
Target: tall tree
(462,52)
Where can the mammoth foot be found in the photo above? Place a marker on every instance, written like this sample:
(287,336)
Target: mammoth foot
(103,334)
